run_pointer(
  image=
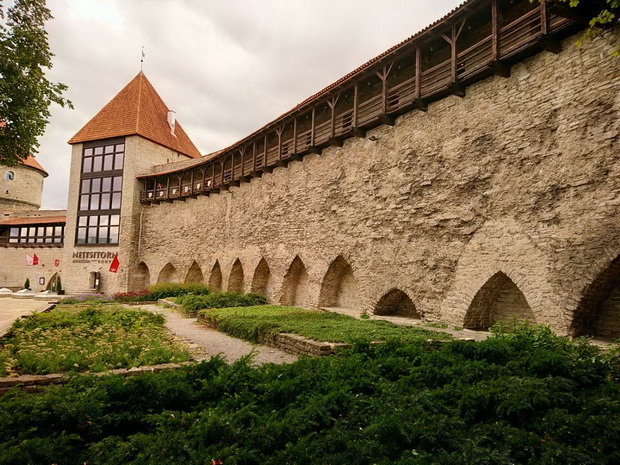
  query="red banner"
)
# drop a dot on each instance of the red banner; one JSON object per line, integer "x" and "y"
{"x": 114, "y": 265}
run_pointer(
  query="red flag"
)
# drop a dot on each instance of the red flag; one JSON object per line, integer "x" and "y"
{"x": 114, "y": 265}
{"x": 35, "y": 259}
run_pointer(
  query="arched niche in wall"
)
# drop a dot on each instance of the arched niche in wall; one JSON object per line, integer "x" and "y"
{"x": 141, "y": 277}
{"x": 499, "y": 300}
{"x": 235, "y": 279}
{"x": 261, "y": 282}
{"x": 598, "y": 313}
{"x": 168, "y": 274}
{"x": 339, "y": 287}
{"x": 194, "y": 274}
{"x": 295, "y": 285}
{"x": 215, "y": 278}
{"x": 396, "y": 303}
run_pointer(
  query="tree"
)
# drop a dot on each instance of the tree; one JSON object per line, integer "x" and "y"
{"x": 25, "y": 92}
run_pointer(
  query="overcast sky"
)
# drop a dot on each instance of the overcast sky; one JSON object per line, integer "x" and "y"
{"x": 226, "y": 67}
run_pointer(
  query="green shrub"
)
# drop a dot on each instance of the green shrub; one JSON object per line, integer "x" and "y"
{"x": 463, "y": 403}
{"x": 163, "y": 290}
{"x": 193, "y": 303}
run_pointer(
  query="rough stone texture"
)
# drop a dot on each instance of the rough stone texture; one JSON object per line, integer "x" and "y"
{"x": 24, "y": 192}
{"x": 520, "y": 176}
{"x": 14, "y": 271}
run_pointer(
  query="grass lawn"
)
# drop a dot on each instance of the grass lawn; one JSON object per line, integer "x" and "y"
{"x": 92, "y": 337}
{"x": 254, "y": 323}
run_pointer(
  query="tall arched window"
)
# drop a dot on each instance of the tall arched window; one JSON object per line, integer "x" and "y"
{"x": 10, "y": 175}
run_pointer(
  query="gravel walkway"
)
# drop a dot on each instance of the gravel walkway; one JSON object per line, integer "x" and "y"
{"x": 210, "y": 342}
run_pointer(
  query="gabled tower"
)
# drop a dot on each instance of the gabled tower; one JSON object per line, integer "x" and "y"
{"x": 133, "y": 132}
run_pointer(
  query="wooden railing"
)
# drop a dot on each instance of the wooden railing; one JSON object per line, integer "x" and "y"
{"x": 361, "y": 111}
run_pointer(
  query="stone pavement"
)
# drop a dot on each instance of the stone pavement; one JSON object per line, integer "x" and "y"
{"x": 12, "y": 309}
{"x": 213, "y": 342}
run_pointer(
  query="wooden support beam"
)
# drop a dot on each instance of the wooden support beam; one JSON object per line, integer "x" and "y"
{"x": 547, "y": 41}
{"x": 418, "y": 73}
{"x": 279, "y": 131}
{"x": 335, "y": 142}
{"x": 356, "y": 98}
{"x": 312, "y": 129}
{"x": 456, "y": 88}
{"x": 358, "y": 132}
{"x": 495, "y": 31}
{"x": 332, "y": 106}
{"x": 294, "y": 135}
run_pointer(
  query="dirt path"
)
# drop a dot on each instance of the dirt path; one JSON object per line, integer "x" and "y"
{"x": 211, "y": 342}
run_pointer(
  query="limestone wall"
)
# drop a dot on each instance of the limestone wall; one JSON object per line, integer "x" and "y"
{"x": 24, "y": 191}
{"x": 521, "y": 177}
{"x": 14, "y": 271}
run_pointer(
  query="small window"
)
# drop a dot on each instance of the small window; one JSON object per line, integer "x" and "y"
{"x": 10, "y": 175}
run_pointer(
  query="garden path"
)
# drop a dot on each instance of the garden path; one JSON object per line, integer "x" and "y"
{"x": 212, "y": 342}
{"x": 12, "y": 309}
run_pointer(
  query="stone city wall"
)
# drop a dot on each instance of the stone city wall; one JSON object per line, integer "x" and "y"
{"x": 512, "y": 190}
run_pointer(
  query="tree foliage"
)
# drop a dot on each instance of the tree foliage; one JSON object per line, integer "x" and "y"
{"x": 25, "y": 92}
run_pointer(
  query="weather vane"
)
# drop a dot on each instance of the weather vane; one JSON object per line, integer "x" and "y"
{"x": 142, "y": 59}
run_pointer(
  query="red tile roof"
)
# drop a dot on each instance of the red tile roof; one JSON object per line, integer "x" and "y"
{"x": 33, "y": 220}
{"x": 32, "y": 163}
{"x": 137, "y": 110}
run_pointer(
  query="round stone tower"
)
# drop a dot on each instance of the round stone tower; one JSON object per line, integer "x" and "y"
{"x": 21, "y": 186}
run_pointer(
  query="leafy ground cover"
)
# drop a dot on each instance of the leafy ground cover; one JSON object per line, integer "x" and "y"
{"x": 87, "y": 337}
{"x": 193, "y": 303}
{"x": 256, "y": 323}
{"x": 162, "y": 291}
{"x": 528, "y": 397}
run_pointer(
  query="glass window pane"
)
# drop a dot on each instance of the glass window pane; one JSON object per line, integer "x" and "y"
{"x": 48, "y": 239}
{"x": 114, "y": 235}
{"x": 81, "y": 222}
{"x": 115, "y": 220}
{"x": 32, "y": 231}
{"x": 98, "y": 150}
{"x": 40, "y": 240}
{"x": 108, "y": 162}
{"x": 92, "y": 220}
{"x": 106, "y": 184}
{"x": 14, "y": 231}
{"x": 92, "y": 236}
{"x": 59, "y": 230}
{"x": 88, "y": 165}
{"x": 103, "y": 235}
{"x": 81, "y": 236}
{"x": 57, "y": 240}
{"x": 41, "y": 231}
{"x": 96, "y": 185}
{"x": 49, "y": 231}
{"x": 94, "y": 202}
{"x": 118, "y": 161}
{"x": 109, "y": 149}
{"x": 120, "y": 147}
{"x": 117, "y": 184}
{"x": 105, "y": 201}
{"x": 88, "y": 152}
{"x": 84, "y": 202}
{"x": 14, "y": 240}
{"x": 85, "y": 186}
{"x": 97, "y": 162}
{"x": 104, "y": 220}
{"x": 116, "y": 201}
{"x": 23, "y": 232}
